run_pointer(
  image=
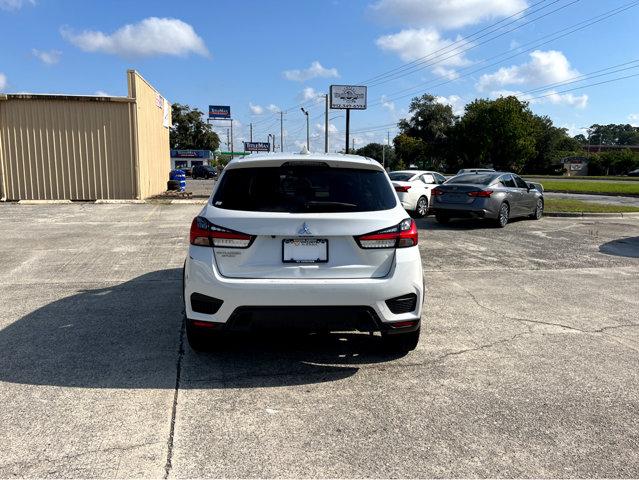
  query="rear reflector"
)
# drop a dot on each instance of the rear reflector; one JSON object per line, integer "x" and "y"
{"x": 200, "y": 324}
{"x": 404, "y": 324}
{"x": 480, "y": 193}
{"x": 398, "y": 236}
{"x": 205, "y": 234}
{"x": 402, "y": 188}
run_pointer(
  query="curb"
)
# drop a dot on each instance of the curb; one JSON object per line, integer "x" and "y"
{"x": 108, "y": 201}
{"x": 193, "y": 201}
{"x": 592, "y": 215}
{"x": 43, "y": 202}
{"x": 601, "y": 194}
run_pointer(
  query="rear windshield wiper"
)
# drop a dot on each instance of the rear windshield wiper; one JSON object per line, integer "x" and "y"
{"x": 315, "y": 203}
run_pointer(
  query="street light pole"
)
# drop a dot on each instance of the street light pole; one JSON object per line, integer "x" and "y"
{"x": 308, "y": 130}
{"x": 326, "y": 124}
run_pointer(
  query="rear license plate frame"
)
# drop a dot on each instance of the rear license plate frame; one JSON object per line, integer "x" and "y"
{"x": 302, "y": 241}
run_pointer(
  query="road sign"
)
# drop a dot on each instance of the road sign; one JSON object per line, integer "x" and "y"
{"x": 348, "y": 97}
{"x": 220, "y": 111}
{"x": 257, "y": 146}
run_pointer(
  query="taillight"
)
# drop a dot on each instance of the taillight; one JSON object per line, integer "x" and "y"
{"x": 480, "y": 193}
{"x": 402, "y": 188}
{"x": 205, "y": 234}
{"x": 399, "y": 236}
{"x": 436, "y": 192}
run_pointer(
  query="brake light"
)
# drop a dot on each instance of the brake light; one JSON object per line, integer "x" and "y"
{"x": 480, "y": 193}
{"x": 400, "y": 236}
{"x": 402, "y": 188}
{"x": 205, "y": 234}
{"x": 436, "y": 192}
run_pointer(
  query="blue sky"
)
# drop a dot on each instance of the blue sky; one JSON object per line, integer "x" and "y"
{"x": 261, "y": 57}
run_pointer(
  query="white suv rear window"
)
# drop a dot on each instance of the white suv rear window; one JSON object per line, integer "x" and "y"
{"x": 312, "y": 189}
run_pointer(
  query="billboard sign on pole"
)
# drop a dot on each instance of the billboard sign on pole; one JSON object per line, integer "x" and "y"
{"x": 257, "y": 146}
{"x": 219, "y": 112}
{"x": 348, "y": 97}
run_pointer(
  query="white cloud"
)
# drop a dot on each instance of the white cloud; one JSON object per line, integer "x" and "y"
{"x": 3, "y": 81}
{"x": 319, "y": 127}
{"x": 574, "y": 130}
{"x": 448, "y": 14}
{"x": 387, "y": 104}
{"x": 256, "y": 109}
{"x": 102, "y": 93}
{"x": 50, "y": 57}
{"x": 543, "y": 68}
{"x": 314, "y": 71}
{"x": 310, "y": 93}
{"x": 634, "y": 119}
{"x": 412, "y": 44}
{"x": 579, "y": 101}
{"x": 551, "y": 96}
{"x": 456, "y": 103}
{"x": 150, "y": 37}
{"x": 273, "y": 108}
{"x": 15, "y": 4}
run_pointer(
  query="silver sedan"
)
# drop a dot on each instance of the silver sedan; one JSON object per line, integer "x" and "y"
{"x": 498, "y": 196}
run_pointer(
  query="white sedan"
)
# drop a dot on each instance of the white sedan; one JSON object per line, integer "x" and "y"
{"x": 413, "y": 188}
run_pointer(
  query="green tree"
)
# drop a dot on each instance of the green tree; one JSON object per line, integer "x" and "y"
{"x": 411, "y": 151}
{"x": 501, "y": 133}
{"x": 190, "y": 132}
{"x": 614, "y": 162}
{"x": 613, "y": 134}
{"x": 549, "y": 140}
{"x": 375, "y": 151}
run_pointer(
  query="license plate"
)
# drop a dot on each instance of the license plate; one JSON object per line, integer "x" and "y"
{"x": 305, "y": 250}
{"x": 456, "y": 197}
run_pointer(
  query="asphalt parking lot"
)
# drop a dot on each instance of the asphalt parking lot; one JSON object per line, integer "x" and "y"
{"x": 528, "y": 365}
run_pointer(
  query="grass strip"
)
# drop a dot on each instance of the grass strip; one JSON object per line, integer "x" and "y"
{"x": 563, "y": 205}
{"x": 596, "y": 188}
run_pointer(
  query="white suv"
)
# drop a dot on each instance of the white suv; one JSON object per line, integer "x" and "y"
{"x": 301, "y": 241}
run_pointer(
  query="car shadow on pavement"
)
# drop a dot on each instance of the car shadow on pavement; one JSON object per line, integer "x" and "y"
{"x": 128, "y": 336}
{"x": 462, "y": 224}
{"x": 622, "y": 247}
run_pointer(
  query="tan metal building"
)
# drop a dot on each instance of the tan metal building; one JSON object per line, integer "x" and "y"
{"x": 58, "y": 147}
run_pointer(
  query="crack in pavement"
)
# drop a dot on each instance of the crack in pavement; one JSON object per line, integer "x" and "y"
{"x": 601, "y": 330}
{"x": 178, "y": 372}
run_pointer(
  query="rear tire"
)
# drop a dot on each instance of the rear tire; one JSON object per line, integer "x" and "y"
{"x": 441, "y": 218}
{"x": 401, "y": 342}
{"x": 539, "y": 210}
{"x": 421, "y": 208}
{"x": 503, "y": 216}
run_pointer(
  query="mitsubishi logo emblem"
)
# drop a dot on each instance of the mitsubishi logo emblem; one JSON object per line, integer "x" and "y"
{"x": 304, "y": 229}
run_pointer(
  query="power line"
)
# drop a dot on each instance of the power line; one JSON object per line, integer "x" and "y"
{"x": 557, "y": 35}
{"x": 401, "y": 67}
{"x": 550, "y": 94}
{"x": 423, "y": 64}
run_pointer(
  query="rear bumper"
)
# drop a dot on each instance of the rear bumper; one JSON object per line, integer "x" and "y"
{"x": 349, "y": 299}
{"x": 309, "y": 319}
{"x": 476, "y": 209}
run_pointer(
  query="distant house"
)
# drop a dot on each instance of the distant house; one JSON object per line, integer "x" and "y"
{"x": 191, "y": 158}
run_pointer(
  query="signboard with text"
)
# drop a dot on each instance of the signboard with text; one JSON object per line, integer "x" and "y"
{"x": 257, "y": 146}
{"x": 219, "y": 111}
{"x": 351, "y": 97}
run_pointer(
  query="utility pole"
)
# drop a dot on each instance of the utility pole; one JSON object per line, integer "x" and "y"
{"x": 281, "y": 131}
{"x": 228, "y": 141}
{"x": 308, "y": 130}
{"x": 384, "y": 155}
{"x": 251, "y": 136}
{"x": 231, "y": 139}
{"x": 353, "y": 145}
{"x": 326, "y": 124}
